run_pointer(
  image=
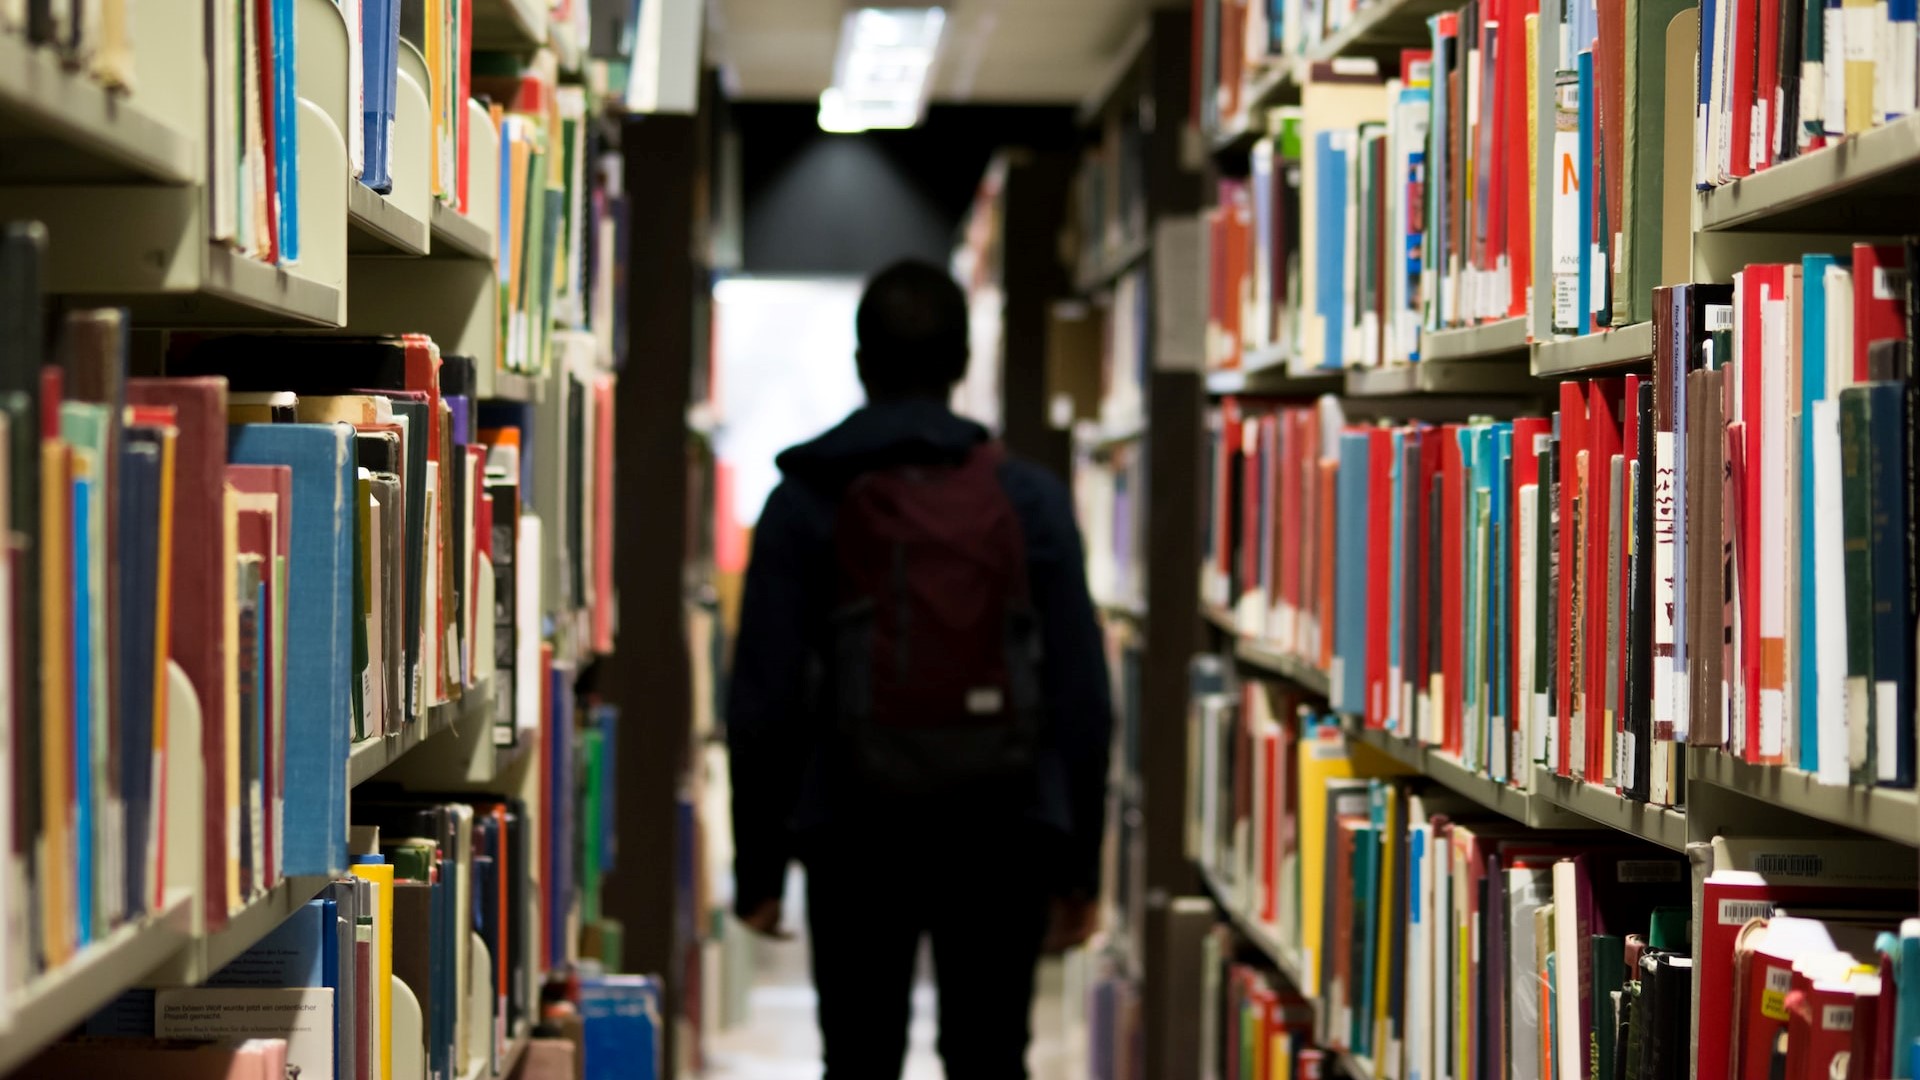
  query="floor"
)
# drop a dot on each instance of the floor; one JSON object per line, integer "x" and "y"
{"x": 779, "y": 1040}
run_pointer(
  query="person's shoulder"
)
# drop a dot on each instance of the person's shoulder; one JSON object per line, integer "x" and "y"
{"x": 1031, "y": 482}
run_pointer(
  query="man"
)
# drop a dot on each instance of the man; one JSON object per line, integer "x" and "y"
{"x": 919, "y": 709}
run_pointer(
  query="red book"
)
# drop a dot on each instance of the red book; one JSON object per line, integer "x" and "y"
{"x": 1380, "y": 582}
{"x": 1288, "y": 515}
{"x": 1834, "y": 1010}
{"x": 264, "y": 39}
{"x": 1766, "y": 89}
{"x": 1728, "y": 901}
{"x": 1229, "y": 458}
{"x": 1879, "y": 300}
{"x": 1272, "y": 810}
{"x": 1248, "y": 461}
{"x": 196, "y": 640}
{"x": 1452, "y": 611}
{"x": 275, "y": 481}
{"x": 1742, "y": 15}
{"x": 1514, "y": 97}
{"x": 1604, "y": 407}
{"x": 1573, "y": 444}
{"x": 1753, "y": 286}
{"x": 462, "y": 90}
{"x": 1329, "y": 485}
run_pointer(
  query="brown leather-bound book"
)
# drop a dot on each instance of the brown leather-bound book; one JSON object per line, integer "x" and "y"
{"x": 196, "y": 639}
{"x": 413, "y": 941}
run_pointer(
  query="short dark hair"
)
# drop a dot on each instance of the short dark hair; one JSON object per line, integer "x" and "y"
{"x": 912, "y": 327}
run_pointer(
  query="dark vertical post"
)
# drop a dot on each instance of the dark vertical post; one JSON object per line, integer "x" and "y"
{"x": 1174, "y": 440}
{"x": 1031, "y": 278}
{"x": 649, "y": 676}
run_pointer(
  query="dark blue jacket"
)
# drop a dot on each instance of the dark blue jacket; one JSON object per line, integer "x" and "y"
{"x": 781, "y": 796}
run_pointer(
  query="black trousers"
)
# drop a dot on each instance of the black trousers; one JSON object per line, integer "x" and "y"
{"x": 980, "y": 894}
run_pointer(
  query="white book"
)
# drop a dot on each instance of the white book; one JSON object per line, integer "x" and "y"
{"x": 302, "y": 1016}
{"x": 1568, "y": 1045}
{"x": 1528, "y": 890}
{"x": 1774, "y": 512}
{"x": 1525, "y": 552}
{"x": 1419, "y": 1035}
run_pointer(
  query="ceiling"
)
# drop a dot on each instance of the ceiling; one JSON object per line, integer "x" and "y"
{"x": 996, "y": 51}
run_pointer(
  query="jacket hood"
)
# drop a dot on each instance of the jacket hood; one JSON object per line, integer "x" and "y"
{"x": 895, "y": 433}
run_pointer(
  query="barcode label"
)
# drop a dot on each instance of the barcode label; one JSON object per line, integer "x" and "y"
{"x": 1741, "y": 912}
{"x": 1836, "y": 1018}
{"x": 1644, "y": 870}
{"x": 1785, "y": 864}
{"x": 1719, "y": 316}
{"x": 1773, "y": 1000}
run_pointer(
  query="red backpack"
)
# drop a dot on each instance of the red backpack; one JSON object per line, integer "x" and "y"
{"x": 934, "y": 665}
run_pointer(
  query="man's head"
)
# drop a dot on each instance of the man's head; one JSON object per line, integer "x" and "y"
{"x": 912, "y": 327}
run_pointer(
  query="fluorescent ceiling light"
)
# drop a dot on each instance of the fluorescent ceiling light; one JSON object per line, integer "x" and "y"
{"x": 882, "y": 71}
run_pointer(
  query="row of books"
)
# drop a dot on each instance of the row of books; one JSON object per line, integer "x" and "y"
{"x": 1435, "y": 941}
{"x": 1254, "y": 1025}
{"x": 1110, "y": 190}
{"x": 1779, "y": 79}
{"x": 1109, "y": 491}
{"x": 90, "y": 37}
{"x": 1422, "y": 196}
{"x": 1582, "y": 556}
{"x": 326, "y": 546}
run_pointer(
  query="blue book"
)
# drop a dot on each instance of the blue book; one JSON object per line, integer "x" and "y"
{"x": 1348, "y": 679}
{"x": 1472, "y": 468}
{"x": 1813, "y": 387}
{"x": 83, "y": 748}
{"x": 1330, "y": 166}
{"x": 1892, "y": 708}
{"x": 1498, "y": 653}
{"x": 319, "y": 652}
{"x": 1905, "y": 951}
{"x": 139, "y": 573}
{"x": 286, "y": 129}
{"x": 620, "y": 1022}
{"x": 292, "y": 955}
{"x": 380, "y": 79}
{"x": 607, "y": 718}
{"x": 1587, "y": 252}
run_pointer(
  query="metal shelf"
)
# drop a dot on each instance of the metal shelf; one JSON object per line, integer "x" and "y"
{"x": 1379, "y": 27}
{"x": 1268, "y": 372}
{"x": 1479, "y": 377}
{"x": 58, "y": 126}
{"x": 1628, "y": 346}
{"x": 1500, "y": 338}
{"x": 508, "y": 25}
{"x": 53, "y": 1002}
{"x": 1890, "y": 813}
{"x": 1662, "y": 825}
{"x": 1864, "y": 185}
{"x": 1528, "y": 808}
{"x": 376, "y": 225}
{"x": 1112, "y": 264}
{"x": 459, "y": 236}
{"x": 1291, "y": 668}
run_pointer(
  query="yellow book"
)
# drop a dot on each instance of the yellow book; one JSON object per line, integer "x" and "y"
{"x": 381, "y": 874}
{"x": 1862, "y": 37}
{"x": 438, "y": 90}
{"x": 55, "y": 856}
{"x": 162, "y": 646}
{"x": 1323, "y": 758}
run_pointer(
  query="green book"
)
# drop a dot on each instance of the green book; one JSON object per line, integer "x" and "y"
{"x": 1609, "y": 972}
{"x": 1856, "y": 525}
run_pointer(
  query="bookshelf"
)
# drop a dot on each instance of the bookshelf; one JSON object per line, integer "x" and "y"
{"x": 1505, "y": 358}
{"x": 129, "y": 212}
